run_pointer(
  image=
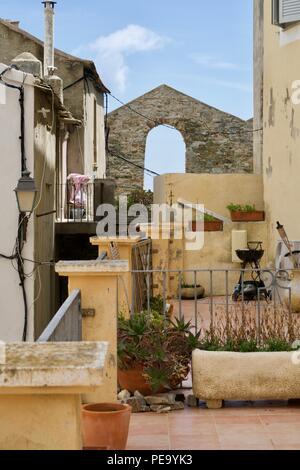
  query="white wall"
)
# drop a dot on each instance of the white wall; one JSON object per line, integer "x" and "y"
{"x": 11, "y": 302}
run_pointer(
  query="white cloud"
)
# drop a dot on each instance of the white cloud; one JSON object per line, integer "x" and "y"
{"x": 212, "y": 63}
{"x": 110, "y": 52}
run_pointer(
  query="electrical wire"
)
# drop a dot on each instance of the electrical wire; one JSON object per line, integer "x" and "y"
{"x": 211, "y": 132}
{"x": 158, "y": 123}
{"x": 17, "y": 252}
{"x": 121, "y": 157}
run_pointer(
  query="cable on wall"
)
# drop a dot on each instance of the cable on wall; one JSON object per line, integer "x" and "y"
{"x": 17, "y": 252}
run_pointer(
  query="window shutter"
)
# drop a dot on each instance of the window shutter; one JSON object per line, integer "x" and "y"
{"x": 275, "y": 12}
{"x": 289, "y": 11}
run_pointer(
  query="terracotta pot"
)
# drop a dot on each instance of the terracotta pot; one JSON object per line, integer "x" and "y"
{"x": 209, "y": 226}
{"x": 241, "y": 216}
{"x": 105, "y": 426}
{"x": 188, "y": 293}
{"x": 132, "y": 380}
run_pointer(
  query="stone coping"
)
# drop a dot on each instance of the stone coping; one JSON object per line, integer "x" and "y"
{"x": 48, "y": 365}
{"x": 120, "y": 240}
{"x": 94, "y": 266}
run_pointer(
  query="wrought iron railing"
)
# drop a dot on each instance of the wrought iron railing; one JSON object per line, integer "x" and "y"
{"x": 66, "y": 325}
{"x": 228, "y": 294}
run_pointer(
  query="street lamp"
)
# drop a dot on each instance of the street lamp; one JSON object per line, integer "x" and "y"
{"x": 26, "y": 193}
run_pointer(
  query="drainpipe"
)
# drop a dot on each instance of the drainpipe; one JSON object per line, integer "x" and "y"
{"x": 49, "y": 68}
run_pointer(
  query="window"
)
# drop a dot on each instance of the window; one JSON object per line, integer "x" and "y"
{"x": 285, "y": 12}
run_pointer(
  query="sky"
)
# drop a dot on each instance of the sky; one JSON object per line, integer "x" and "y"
{"x": 199, "y": 47}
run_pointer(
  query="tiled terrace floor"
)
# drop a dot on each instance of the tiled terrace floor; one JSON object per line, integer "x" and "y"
{"x": 238, "y": 426}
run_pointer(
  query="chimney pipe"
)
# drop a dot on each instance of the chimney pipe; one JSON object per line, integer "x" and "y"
{"x": 49, "y": 67}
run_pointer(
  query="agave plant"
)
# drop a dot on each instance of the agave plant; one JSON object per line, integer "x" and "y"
{"x": 162, "y": 348}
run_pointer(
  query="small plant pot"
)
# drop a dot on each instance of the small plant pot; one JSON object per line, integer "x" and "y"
{"x": 242, "y": 216}
{"x": 188, "y": 293}
{"x": 209, "y": 226}
{"x": 105, "y": 426}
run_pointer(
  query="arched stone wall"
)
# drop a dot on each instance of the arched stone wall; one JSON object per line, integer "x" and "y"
{"x": 216, "y": 142}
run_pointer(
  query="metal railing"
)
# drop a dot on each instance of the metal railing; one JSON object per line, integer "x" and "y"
{"x": 141, "y": 256}
{"x": 232, "y": 293}
{"x": 66, "y": 325}
{"x": 75, "y": 209}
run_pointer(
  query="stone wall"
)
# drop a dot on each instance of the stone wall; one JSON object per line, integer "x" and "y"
{"x": 216, "y": 142}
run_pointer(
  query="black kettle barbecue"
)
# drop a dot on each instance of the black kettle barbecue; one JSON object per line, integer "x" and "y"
{"x": 254, "y": 289}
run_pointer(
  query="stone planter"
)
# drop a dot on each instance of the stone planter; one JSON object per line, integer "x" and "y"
{"x": 242, "y": 216}
{"x": 219, "y": 376}
{"x": 188, "y": 293}
{"x": 105, "y": 426}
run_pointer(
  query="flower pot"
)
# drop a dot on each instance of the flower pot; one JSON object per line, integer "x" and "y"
{"x": 243, "y": 216}
{"x": 188, "y": 293}
{"x": 133, "y": 379}
{"x": 209, "y": 226}
{"x": 105, "y": 426}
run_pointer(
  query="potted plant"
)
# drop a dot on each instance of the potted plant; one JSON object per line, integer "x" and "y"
{"x": 105, "y": 426}
{"x": 188, "y": 291}
{"x": 211, "y": 224}
{"x": 245, "y": 213}
{"x": 154, "y": 353}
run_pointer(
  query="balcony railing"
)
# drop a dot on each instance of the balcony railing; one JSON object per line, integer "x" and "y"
{"x": 75, "y": 205}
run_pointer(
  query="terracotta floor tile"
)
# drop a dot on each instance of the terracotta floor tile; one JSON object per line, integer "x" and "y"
{"x": 239, "y": 426}
{"x": 287, "y": 447}
{"x": 148, "y": 442}
{"x": 235, "y": 419}
{"x": 283, "y": 418}
{"x": 244, "y": 439}
{"x": 191, "y": 427}
{"x": 285, "y": 438}
{"x": 195, "y": 443}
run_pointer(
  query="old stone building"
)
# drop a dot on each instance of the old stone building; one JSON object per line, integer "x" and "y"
{"x": 216, "y": 142}
{"x": 83, "y": 96}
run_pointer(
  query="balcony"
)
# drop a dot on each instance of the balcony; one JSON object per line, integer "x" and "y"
{"x": 77, "y": 202}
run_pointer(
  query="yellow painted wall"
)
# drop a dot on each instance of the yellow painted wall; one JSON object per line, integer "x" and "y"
{"x": 281, "y": 122}
{"x": 99, "y": 292}
{"x": 214, "y": 191}
{"x": 40, "y": 422}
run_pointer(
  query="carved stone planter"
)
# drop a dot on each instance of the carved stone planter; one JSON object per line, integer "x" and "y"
{"x": 219, "y": 376}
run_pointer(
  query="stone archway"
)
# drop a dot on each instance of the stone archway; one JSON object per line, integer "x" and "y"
{"x": 216, "y": 142}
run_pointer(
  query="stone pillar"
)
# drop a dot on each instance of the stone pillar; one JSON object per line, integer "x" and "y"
{"x": 40, "y": 393}
{"x": 125, "y": 246}
{"x": 98, "y": 282}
